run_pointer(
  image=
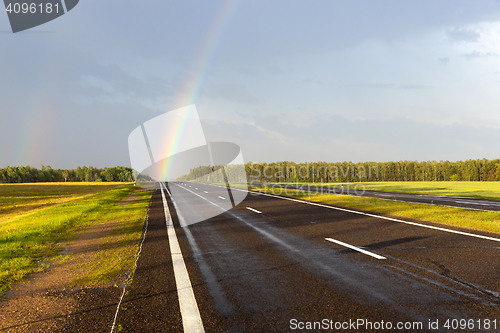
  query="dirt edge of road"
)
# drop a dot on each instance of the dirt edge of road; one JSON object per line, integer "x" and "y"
{"x": 53, "y": 300}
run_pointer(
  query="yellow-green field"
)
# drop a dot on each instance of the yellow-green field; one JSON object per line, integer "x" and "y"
{"x": 56, "y": 213}
{"x": 487, "y": 221}
{"x": 467, "y": 189}
{"x": 18, "y": 200}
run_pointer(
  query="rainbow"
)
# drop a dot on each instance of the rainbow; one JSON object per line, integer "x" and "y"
{"x": 35, "y": 131}
{"x": 191, "y": 88}
{"x": 171, "y": 133}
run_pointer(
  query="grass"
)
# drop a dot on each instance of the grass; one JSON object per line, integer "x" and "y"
{"x": 29, "y": 241}
{"x": 466, "y": 189}
{"x": 19, "y": 200}
{"x": 487, "y": 221}
{"x": 118, "y": 249}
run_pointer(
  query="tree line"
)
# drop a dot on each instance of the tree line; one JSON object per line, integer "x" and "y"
{"x": 28, "y": 174}
{"x": 233, "y": 173}
{"x": 469, "y": 170}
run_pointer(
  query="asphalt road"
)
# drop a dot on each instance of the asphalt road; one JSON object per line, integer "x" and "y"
{"x": 439, "y": 200}
{"x": 274, "y": 264}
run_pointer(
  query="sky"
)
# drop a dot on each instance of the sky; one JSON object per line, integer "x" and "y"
{"x": 286, "y": 80}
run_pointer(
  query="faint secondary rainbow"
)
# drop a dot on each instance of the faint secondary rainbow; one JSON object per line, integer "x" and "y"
{"x": 35, "y": 127}
{"x": 36, "y": 121}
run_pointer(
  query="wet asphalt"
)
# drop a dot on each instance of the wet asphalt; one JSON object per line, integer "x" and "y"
{"x": 271, "y": 269}
{"x": 438, "y": 200}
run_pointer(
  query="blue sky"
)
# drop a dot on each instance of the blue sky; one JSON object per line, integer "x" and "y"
{"x": 286, "y": 80}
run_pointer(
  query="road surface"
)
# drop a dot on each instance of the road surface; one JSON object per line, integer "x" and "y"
{"x": 274, "y": 264}
{"x": 438, "y": 200}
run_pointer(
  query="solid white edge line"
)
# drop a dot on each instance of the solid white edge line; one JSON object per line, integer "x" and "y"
{"x": 191, "y": 319}
{"x": 355, "y": 248}
{"x": 373, "y": 215}
{"x": 254, "y": 210}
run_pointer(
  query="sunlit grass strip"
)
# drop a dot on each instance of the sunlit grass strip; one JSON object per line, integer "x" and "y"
{"x": 18, "y": 212}
{"x": 460, "y": 188}
{"x": 17, "y": 200}
{"x": 487, "y": 221}
{"x": 118, "y": 250}
{"x": 24, "y": 243}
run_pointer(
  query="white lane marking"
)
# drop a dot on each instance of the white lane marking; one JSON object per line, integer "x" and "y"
{"x": 200, "y": 197}
{"x": 375, "y": 216}
{"x": 355, "y": 248}
{"x": 278, "y": 240}
{"x": 191, "y": 319}
{"x": 222, "y": 198}
{"x": 254, "y": 210}
{"x": 195, "y": 188}
{"x": 205, "y": 191}
{"x": 445, "y": 198}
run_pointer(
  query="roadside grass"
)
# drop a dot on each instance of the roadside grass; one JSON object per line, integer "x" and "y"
{"x": 27, "y": 243}
{"x": 18, "y": 200}
{"x": 118, "y": 250}
{"x": 461, "y": 188}
{"x": 486, "y": 221}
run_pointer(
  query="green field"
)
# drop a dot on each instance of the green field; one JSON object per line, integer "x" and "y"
{"x": 18, "y": 200}
{"x": 52, "y": 214}
{"x": 487, "y": 221}
{"x": 466, "y": 189}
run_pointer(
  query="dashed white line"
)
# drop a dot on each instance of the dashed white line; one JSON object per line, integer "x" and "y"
{"x": 210, "y": 202}
{"x": 191, "y": 319}
{"x": 222, "y": 198}
{"x": 355, "y": 248}
{"x": 195, "y": 188}
{"x": 375, "y": 216}
{"x": 254, "y": 210}
{"x": 205, "y": 191}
